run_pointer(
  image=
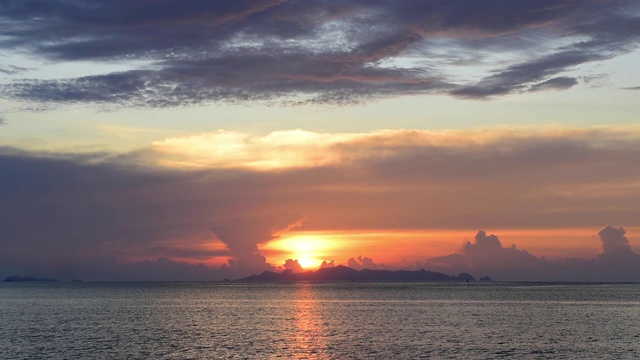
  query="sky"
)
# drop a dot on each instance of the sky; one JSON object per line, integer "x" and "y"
{"x": 191, "y": 140}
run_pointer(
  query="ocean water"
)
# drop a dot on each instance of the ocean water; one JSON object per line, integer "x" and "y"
{"x": 318, "y": 321}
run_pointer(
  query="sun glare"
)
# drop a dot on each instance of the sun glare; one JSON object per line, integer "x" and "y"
{"x": 308, "y": 263}
{"x": 309, "y": 250}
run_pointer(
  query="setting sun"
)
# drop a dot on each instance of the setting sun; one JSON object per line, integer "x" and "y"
{"x": 309, "y": 249}
{"x": 309, "y": 263}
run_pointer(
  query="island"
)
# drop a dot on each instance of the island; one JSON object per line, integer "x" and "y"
{"x": 346, "y": 274}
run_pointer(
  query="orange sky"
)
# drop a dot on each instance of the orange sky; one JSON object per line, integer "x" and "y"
{"x": 405, "y": 248}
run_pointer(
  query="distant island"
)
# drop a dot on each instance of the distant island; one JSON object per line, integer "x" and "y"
{"x": 16, "y": 278}
{"x": 346, "y": 274}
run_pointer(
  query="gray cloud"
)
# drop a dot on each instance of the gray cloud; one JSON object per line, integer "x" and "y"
{"x": 60, "y": 211}
{"x": 616, "y": 250}
{"x": 309, "y": 51}
{"x": 363, "y": 263}
{"x": 160, "y": 269}
{"x": 12, "y": 69}
{"x": 326, "y": 264}
{"x": 242, "y": 233}
{"x": 617, "y": 262}
{"x": 632, "y": 88}
{"x": 558, "y": 83}
{"x": 613, "y": 239}
{"x": 487, "y": 256}
{"x": 293, "y": 265}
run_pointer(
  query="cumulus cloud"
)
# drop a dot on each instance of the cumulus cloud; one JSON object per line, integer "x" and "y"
{"x": 484, "y": 244}
{"x": 487, "y": 255}
{"x": 613, "y": 239}
{"x": 241, "y": 234}
{"x": 326, "y": 264}
{"x": 617, "y": 262}
{"x": 616, "y": 249}
{"x": 311, "y": 51}
{"x": 362, "y": 263}
{"x": 293, "y": 265}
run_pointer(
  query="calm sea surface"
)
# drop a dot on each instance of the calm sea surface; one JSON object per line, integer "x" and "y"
{"x": 323, "y": 321}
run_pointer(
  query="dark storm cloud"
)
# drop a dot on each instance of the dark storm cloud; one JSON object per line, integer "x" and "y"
{"x": 310, "y": 51}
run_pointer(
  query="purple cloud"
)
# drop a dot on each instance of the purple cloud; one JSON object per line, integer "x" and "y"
{"x": 617, "y": 262}
{"x": 293, "y": 265}
{"x": 363, "y": 263}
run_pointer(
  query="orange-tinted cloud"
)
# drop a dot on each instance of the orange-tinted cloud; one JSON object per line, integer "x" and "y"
{"x": 293, "y": 265}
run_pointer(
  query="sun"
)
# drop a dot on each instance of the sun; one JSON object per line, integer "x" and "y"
{"x": 309, "y": 263}
{"x": 309, "y": 250}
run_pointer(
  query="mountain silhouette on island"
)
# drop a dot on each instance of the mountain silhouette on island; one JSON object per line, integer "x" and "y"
{"x": 342, "y": 273}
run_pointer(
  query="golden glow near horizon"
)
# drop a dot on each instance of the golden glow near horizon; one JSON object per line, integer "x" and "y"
{"x": 401, "y": 248}
{"x": 309, "y": 249}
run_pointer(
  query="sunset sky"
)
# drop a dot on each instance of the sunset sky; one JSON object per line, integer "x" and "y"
{"x": 202, "y": 140}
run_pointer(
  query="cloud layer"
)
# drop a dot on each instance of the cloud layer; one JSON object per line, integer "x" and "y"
{"x": 64, "y": 213}
{"x": 294, "y": 51}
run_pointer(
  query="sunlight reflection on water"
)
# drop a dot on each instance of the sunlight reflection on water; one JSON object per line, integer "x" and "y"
{"x": 318, "y": 321}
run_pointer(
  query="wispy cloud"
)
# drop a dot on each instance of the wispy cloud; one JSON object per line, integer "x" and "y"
{"x": 311, "y": 51}
{"x": 290, "y": 149}
{"x": 12, "y": 69}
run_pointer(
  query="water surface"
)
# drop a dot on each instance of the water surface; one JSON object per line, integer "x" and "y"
{"x": 323, "y": 321}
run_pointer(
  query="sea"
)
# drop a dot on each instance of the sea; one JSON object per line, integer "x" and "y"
{"x": 78, "y": 320}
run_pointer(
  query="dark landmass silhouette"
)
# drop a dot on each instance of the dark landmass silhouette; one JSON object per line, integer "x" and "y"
{"x": 16, "y": 278}
{"x": 342, "y": 273}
